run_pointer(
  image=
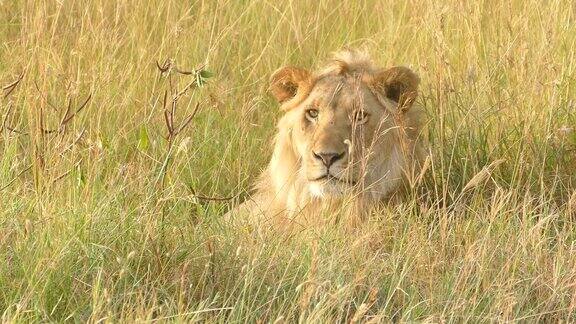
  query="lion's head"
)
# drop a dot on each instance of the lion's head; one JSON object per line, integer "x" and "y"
{"x": 348, "y": 128}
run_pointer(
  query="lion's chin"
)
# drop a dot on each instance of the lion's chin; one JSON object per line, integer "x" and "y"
{"x": 327, "y": 188}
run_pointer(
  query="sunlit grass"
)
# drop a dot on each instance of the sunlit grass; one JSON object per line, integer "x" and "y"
{"x": 88, "y": 232}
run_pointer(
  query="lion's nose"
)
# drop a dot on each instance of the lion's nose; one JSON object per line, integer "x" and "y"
{"x": 328, "y": 158}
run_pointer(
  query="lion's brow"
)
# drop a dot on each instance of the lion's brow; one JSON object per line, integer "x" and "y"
{"x": 336, "y": 91}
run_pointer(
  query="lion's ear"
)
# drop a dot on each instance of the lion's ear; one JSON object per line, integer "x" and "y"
{"x": 286, "y": 82}
{"x": 398, "y": 84}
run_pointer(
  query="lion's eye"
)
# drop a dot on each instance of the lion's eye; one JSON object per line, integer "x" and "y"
{"x": 360, "y": 116}
{"x": 312, "y": 114}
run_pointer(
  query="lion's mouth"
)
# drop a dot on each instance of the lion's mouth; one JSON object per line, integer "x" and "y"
{"x": 330, "y": 177}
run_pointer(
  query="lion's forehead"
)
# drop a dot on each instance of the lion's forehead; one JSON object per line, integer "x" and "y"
{"x": 339, "y": 93}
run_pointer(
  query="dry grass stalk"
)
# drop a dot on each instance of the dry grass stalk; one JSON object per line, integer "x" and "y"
{"x": 481, "y": 177}
{"x": 572, "y": 205}
{"x": 309, "y": 287}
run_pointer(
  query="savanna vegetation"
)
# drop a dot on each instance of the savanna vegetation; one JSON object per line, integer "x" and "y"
{"x": 129, "y": 127}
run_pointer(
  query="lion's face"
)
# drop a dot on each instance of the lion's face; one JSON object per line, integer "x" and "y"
{"x": 340, "y": 125}
{"x": 338, "y": 132}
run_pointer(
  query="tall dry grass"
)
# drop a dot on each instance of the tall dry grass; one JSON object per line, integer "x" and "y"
{"x": 89, "y": 233}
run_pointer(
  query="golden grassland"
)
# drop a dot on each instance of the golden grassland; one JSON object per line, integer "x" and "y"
{"x": 104, "y": 219}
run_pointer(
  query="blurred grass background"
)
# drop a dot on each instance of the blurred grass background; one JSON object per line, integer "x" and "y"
{"x": 87, "y": 233}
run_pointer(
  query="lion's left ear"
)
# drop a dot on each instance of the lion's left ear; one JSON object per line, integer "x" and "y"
{"x": 286, "y": 82}
{"x": 398, "y": 84}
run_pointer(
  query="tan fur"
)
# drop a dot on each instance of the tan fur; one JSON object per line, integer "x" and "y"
{"x": 379, "y": 147}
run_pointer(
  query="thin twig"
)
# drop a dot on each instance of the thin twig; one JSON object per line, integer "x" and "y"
{"x": 169, "y": 68}
{"x": 189, "y": 86}
{"x": 14, "y": 130}
{"x": 164, "y": 67}
{"x": 78, "y": 110}
{"x": 167, "y": 117}
{"x": 10, "y": 87}
{"x": 189, "y": 119}
{"x": 67, "y": 112}
{"x": 183, "y": 72}
{"x": 66, "y": 118}
{"x": 169, "y": 65}
{"x": 173, "y": 113}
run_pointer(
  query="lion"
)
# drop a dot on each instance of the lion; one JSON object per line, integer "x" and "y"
{"x": 349, "y": 135}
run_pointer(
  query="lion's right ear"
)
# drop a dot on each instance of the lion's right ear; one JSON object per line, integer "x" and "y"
{"x": 287, "y": 81}
{"x": 398, "y": 84}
